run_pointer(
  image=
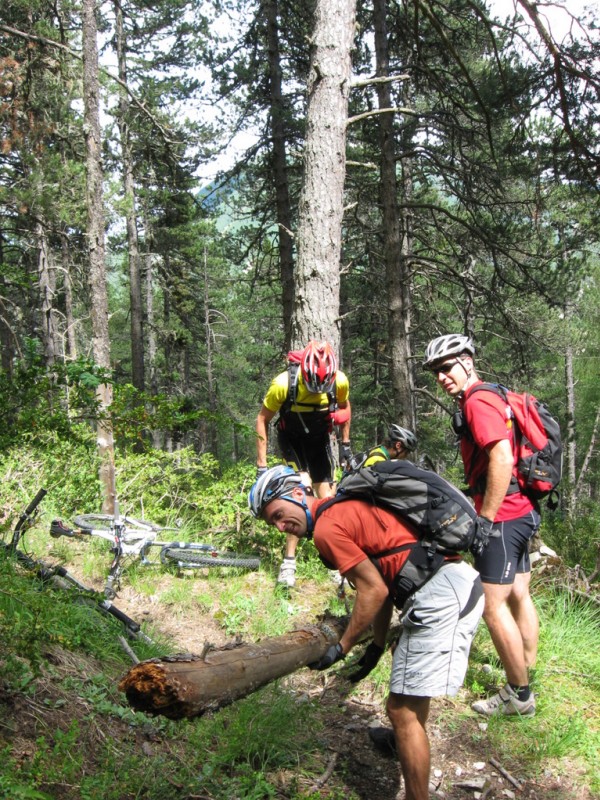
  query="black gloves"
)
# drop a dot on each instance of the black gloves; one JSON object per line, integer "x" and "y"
{"x": 334, "y": 653}
{"x": 345, "y": 453}
{"x": 481, "y": 532}
{"x": 367, "y": 662}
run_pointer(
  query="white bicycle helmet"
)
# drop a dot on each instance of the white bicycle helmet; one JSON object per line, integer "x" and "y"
{"x": 454, "y": 344}
{"x": 406, "y": 438}
{"x": 275, "y": 482}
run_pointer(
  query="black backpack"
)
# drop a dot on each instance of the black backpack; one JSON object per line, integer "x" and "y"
{"x": 316, "y": 420}
{"x": 442, "y": 515}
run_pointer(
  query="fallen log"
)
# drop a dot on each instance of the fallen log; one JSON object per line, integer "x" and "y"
{"x": 188, "y": 685}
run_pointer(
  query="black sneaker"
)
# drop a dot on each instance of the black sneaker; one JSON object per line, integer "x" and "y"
{"x": 384, "y": 740}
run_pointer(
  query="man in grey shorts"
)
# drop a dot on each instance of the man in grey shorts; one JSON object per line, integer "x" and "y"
{"x": 439, "y": 619}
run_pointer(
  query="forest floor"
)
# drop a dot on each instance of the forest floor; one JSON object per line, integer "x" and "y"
{"x": 352, "y": 766}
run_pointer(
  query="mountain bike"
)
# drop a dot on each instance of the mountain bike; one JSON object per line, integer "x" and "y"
{"x": 134, "y": 537}
{"x": 59, "y": 576}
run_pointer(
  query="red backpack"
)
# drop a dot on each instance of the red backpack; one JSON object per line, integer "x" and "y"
{"x": 538, "y": 442}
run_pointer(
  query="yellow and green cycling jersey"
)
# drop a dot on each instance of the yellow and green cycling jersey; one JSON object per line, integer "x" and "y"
{"x": 376, "y": 454}
{"x": 306, "y": 402}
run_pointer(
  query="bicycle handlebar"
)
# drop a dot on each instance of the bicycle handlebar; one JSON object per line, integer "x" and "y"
{"x": 34, "y": 503}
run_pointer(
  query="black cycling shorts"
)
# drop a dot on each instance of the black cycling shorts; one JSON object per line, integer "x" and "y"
{"x": 508, "y": 554}
{"x": 308, "y": 454}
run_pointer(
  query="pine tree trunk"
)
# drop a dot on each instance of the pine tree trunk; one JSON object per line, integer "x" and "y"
{"x": 135, "y": 281}
{"x": 95, "y": 234}
{"x": 317, "y": 300}
{"x": 280, "y": 173}
{"x": 47, "y": 291}
{"x": 397, "y": 247}
{"x": 210, "y": 381}
{"x": 71, "y": 341}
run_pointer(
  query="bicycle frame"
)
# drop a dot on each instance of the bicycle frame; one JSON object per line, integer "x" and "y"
{"x": 46, "y": 572}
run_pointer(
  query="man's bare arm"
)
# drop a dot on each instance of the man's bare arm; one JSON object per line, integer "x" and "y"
{"x": 499, "y": 473}
{"x": 262, "y": 429}
{"x": 372, "y": 605}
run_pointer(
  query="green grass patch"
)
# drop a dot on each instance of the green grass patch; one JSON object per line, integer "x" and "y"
{"x": 566, "y": 682}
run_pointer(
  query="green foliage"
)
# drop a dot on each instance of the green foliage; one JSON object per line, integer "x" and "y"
{"x": 271, "y": 731}
{"x": 575, "y": 540}
{"x": 243, "y": 750}
{"x": 566, "y": 682}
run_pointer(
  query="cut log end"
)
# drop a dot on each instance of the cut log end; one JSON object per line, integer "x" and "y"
{"x": 149, "y": 689}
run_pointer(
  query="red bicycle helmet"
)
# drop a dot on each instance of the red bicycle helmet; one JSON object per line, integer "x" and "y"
{"x": 319, "y": 366}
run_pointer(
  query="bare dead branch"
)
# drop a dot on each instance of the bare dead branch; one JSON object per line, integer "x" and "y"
{"x": 371, "y": 81}
{"x": 505, "y": 773}
{"x": 399, "y": 110}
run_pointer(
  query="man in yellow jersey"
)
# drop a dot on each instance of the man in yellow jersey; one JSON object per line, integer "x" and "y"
{"x": 400, "y": 443}
{"x": 311, "y": 397}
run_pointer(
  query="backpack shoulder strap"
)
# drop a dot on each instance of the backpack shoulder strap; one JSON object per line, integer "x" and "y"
{"x": 293, "y": 370}
{"x": 495, "y": 388}
{"x": 328, "y": 503}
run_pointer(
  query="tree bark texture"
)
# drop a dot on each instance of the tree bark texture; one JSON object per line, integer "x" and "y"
{"x": 135, "y": 280}
{"x": 70, "y": 346}
{"x": 280, "y": 172}
{"x": 189, "y": 685}
{"x": 317, "y": 300}
{"x": 95, "y": 235}
{"x": 47, "y": 289}
{"x": 397, "y": 242}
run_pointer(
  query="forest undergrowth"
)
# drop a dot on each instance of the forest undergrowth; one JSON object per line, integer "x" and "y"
{"x": 67, "y": 732}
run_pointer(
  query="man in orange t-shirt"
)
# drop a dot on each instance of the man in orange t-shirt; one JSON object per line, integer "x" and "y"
{"x": 369, "y": 546}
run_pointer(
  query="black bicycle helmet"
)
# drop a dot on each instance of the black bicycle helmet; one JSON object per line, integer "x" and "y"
{"x": 406, "y": 438}
{"x": 453, "y": 344}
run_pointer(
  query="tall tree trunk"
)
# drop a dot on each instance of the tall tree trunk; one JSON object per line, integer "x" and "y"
{"x": 70, "y": 345}
{"x": 135, "y": 282}
{"x": 397, "y": 245}
{"x": 280, "y": 173}
{"x": 210, "y": 381}
{"x": 47, "y": 292}
{"x": 317, "y": 300}
{"x": 7, "y": 349}
{"x": 570, "y": 495}
{"x": 95, "y": 234}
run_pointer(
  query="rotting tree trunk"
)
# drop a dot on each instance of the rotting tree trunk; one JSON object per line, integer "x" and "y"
{"x": 185, "y": 686}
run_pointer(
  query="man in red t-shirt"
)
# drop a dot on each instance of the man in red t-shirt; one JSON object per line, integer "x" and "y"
{"x": 369, "y": 546}
{"x": 508, "y": 516}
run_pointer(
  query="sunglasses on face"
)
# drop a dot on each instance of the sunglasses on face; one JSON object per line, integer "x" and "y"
{"x": 445, "y": 368}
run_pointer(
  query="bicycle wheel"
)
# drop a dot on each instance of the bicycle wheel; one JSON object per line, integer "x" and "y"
{"x": 187, "y": 555}
{"x": 104, "y": 522}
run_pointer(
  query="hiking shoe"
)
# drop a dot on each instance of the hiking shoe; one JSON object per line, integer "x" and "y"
{"x": 384, "y": 740}
{"x": 505, "y": 703}
{"x": 287, "y": 572}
